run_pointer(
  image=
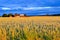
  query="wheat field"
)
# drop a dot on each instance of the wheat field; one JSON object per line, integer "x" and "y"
{"x": 30, "y": 28}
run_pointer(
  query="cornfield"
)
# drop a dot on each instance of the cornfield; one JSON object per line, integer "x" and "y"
{"x": 30, "y": 28}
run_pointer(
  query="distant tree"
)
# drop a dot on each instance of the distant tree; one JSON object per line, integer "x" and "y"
{"x": 4, "y": 15}
{"x": 25, "y": 15}
{"x": 10, "y": 14}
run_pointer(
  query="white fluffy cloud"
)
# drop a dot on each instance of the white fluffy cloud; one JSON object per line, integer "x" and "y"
{"x": 5, "y": 8}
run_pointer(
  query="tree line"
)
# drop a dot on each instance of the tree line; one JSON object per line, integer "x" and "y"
{"x": 7, "y": 15}
{"x": 12, "y": 15}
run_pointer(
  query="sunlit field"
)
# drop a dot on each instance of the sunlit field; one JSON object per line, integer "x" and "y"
{"x": 30, "y": 28}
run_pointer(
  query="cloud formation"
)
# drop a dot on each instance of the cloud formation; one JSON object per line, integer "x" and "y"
{"x": 5, "y": 8}
{"x": 29, "y": 8}
{"x": 36, "y": 8}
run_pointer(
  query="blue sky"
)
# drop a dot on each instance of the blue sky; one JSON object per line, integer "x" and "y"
{"x": 30, "y": 7}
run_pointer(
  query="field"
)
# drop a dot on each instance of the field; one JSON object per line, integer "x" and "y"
{"x": 30, "y": 28}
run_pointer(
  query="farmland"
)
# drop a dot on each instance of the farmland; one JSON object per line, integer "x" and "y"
{"x": 30, "y": 28}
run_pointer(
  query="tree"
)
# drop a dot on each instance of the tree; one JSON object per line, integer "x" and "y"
{"x": 10, "y": 14}
{"x": 25, "y": 15}
{"x": 4, "y": 15}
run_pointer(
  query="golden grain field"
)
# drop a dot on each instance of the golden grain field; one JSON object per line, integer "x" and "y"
{"x": 30, "y": 28}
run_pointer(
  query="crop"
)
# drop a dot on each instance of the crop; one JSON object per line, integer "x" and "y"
{"x": 30, "y": 28}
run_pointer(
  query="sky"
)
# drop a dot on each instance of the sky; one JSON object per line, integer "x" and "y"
{"x": 30, "y": 7}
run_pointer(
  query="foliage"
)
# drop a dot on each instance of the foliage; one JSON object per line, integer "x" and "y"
{"x": 4, "y": 15}
{"x": 10, "y": 14}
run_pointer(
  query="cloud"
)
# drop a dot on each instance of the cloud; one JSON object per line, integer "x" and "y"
{"x": 5, "y": 8}
{"x": 30, "y": 8}
{"x": 36, "y": 8}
